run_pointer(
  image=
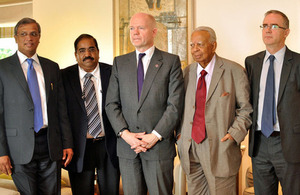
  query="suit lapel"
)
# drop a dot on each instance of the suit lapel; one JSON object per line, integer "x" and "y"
{"x": 217, "y": 73}
{"x": 74, "y": 82}
{"x": 46, "y": 72}
{"x": 17, "y": 70}
{"x": 192, "y": 86}
{"x": 104, "y": 76}
{"x": 154, "y": 66}
{"x": 131, "y": 71}
{"x": 285, "y": 72}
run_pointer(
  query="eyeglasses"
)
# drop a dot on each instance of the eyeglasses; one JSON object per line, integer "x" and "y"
{"x": 33, "y": 34}
{"x": 272, "y": 26}
{"x": 83, "y": 50}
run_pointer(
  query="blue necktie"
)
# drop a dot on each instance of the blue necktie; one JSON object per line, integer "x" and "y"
{"x": 140, "y": 74}
{"x": 35, "y": 95}
{"x": 269, "y": 109}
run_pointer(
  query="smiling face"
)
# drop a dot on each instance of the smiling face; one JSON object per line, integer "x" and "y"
{"x": 202, "y": 48}
{"x": 274, "y": 39}
{"x": 28, "y": 39}
{"x": 87, "y": 54}
{"x": 142, "y": 31}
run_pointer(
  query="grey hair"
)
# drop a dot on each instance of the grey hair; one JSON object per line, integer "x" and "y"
{"x": 26, "y": 21}
{"x": 212, "y": 37}
{"x": 285, "y": 18}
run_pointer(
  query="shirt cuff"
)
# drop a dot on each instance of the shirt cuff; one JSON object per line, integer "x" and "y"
{"x": 157, "y": 135}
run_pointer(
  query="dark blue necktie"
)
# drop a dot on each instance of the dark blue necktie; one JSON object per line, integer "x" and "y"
{"x": 35, "y": 95}
{"x": 269, "y": 109}
{"x": 140, "y": 74}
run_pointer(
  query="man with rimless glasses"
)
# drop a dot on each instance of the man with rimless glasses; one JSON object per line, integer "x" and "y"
{"x": 274, "y": 137}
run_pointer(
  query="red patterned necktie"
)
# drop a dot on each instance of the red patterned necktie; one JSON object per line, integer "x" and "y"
{"x": 198, "y": 129}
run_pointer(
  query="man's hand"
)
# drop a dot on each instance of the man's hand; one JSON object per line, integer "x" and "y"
{"x": 67, "y": 156}
{"x": 150, "y": 138}
{"x": 226, "y": 137}
{"x": 5, "y": 165}
{"x": 134, "y": 142}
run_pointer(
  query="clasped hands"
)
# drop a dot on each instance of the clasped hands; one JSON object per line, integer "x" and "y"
{"x": 139, "y": 142}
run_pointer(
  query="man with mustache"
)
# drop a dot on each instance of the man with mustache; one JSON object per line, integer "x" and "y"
{"x": 94, "y": 139}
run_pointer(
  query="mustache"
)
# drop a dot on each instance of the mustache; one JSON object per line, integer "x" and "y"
{"x": 88, "y": 57}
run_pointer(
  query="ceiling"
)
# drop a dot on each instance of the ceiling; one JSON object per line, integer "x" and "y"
{"x": 7, "y": 2}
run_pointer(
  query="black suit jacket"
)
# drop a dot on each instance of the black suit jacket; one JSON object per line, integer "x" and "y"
{"x": 78, "y": 116}
{"x": 16, "y": 112}
{"x": 288, "y": 106}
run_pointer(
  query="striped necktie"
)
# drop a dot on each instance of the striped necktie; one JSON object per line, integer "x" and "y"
{"x": 91, "y": 105}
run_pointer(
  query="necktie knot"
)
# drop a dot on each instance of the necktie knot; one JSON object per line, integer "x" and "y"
{"x": 141, "y": 55}
{"x": 29, "y": 61}
{"x": 87, "y": 77}
{"x": 203, "y": 73}
{"x": 271, "y": 58}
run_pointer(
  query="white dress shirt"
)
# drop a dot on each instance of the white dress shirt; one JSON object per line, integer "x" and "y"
{"x": 209, "y": 69}
{"x": 278, "y": 62}
{"x": 98, "y": 87}
{"x": 146, "y": 61}
{"x": 41, "y": 81}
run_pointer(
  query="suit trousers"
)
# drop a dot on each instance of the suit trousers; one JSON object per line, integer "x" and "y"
{"x": 140, "y": 175}
{"x": 270, "y": 167}
{"x": 201, "y": 180}
{"x": 108, "y": 177}
{"x": 41, "y": 176}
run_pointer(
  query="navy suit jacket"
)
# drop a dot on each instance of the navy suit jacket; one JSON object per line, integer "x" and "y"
{"x": 78, "y": 117}
{"x": 17, "y": 112}
{"x": 288, "y": 105}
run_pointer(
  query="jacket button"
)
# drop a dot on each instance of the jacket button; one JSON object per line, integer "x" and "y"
{"x": 138, "y": 127}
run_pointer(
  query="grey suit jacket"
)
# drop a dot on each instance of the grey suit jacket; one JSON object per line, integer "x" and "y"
{"x": 288, "y": 105}
{"x": 227, "y": 110}
{"x": 159, "y": 107}
{"x": 16, "y": 112}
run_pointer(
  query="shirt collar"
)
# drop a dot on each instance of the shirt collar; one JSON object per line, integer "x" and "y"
{"x": 279, "y": 55}
{"x": 23, "y": 57}
{"x": 209, "y": 68}
{"x": 95, "y": 72}
{"x": 149, "y": 52}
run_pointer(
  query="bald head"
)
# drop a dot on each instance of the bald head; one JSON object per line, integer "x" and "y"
{"x": 142, "y": 31}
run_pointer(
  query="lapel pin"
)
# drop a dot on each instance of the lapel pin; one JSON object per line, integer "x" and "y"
{"x": 156, "y": 65}
{"x": 52, "y": 86}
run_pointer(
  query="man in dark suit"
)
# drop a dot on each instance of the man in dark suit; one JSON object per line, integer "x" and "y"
{"x": 35, "y": 133}
{"x": 274, "y": 138}
{"x": 144, "y": 103}
{"x": 90, "y": 152}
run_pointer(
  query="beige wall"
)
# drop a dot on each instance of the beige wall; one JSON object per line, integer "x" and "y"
{"x": 62, "y": 21}
{"x": 237, "y": 24}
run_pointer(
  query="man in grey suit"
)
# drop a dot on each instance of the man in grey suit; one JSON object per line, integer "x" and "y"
{"x": 215, "y": 120}
{"x": 275, "y": 134}
{"x": 35, "y": 134}
{"x": 144, "y": 103}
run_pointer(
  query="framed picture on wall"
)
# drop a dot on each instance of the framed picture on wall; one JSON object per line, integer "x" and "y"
{"x": 174, "y": 23}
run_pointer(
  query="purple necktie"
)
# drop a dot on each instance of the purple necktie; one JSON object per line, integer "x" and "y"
{"x": 140, "y": 74}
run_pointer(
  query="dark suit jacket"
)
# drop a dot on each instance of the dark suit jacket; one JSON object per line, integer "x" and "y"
{"x": 288, "y": 103}
{"x": 17, "y": 117}
{"x": 78, "y": 116}
{"x": 160, "y": 105}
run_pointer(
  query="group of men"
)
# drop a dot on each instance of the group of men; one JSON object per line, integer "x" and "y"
{"x": 125, "y": 119}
